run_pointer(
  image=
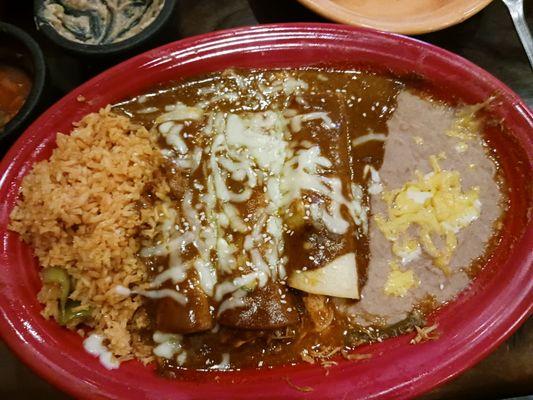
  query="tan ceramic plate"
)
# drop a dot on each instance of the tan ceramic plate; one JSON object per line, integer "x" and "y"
{"x": 401, "y": 16}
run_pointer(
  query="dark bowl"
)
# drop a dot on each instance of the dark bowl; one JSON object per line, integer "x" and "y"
{"x": 18, "y": 49}
{"x": 123, "y": 46}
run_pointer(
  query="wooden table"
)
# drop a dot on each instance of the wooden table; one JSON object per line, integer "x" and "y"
{"x": 488, "y": 39}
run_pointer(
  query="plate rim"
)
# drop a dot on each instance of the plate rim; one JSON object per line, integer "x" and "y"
{"x": 344, "y": 15}
{"x": 521, "y": 312}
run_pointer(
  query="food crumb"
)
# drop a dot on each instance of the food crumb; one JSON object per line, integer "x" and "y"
{"x": 306, "y": 357}
{"x": 328, "y": 363}
{"x": 305, "y": 389}
{"x": 425, "y": 334}
{"x": 81, "y": 98}
{"x": 360, "y": 356}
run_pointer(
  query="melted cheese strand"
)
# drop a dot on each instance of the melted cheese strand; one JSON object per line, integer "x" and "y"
{"x": 235, "y": 300}
{"x": 304, "y": 172}
{"x": 174, "y": 245}
{"x": 369, "y": 137}
{"x": 152, "y": 294}
{"x": 175, "y": 274}
{"x": 168, "y": 344}
{"x": 93, "y": 345}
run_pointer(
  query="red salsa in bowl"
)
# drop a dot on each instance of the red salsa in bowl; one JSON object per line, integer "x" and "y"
{"x": 22, "y": 78}
{"x": 15, "y": 86}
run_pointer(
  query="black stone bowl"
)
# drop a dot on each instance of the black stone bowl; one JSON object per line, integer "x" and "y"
{"x": 18, "y": 49}
{"x": 107, "y": 49}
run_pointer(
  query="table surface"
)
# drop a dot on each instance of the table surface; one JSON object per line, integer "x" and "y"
{"x": 488, "y": 39}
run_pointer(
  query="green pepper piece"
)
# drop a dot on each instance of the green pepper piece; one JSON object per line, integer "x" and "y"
{"x": 57, "y": 276}
{"x": 69, "y": 315}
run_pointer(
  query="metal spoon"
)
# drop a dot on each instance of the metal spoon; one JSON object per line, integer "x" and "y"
{"x": 516, "y": 8}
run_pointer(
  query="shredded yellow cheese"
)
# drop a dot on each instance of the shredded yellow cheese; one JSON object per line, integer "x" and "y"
{"x": 418, "y": 140}
{"x": 432, "y": 206}
{"x": 399, "y": 282}
{"x": 466, "y": 125}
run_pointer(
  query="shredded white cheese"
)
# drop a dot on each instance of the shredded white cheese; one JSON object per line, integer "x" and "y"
{"x": 255, "y": 150}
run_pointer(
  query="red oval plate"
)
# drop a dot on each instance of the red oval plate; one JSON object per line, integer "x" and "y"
{"x": 481, "y": 318}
